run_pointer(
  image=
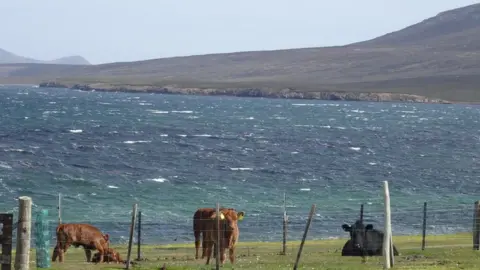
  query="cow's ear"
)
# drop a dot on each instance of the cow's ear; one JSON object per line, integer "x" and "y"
{"x": 240, "y": 215}
{"x": 369, "y": 227}
{"x": 346, "y": 227}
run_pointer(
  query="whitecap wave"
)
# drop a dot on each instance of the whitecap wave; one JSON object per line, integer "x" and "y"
{"x": 76, "y": 131}
{"x": 242, "y": 169}
{"x": 182, "y": 111}
{"x": 302, "y": 104}
{"x": 134, "y": 142}
{"x": 157, "y": 111}
{"x": 5, "y": 165}
{"x": 159, "y": 180}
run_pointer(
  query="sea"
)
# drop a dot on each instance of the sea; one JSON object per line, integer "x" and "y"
{"x": 103, "y": 152}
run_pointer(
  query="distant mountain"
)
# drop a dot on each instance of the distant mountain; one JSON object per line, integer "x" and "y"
{"x": 11, "y": 58}
{"x": 436, "y": 58}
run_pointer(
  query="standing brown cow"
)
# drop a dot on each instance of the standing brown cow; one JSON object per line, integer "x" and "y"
{"x": 201, "y": 218}
{"x": 85, "y": 235}
{"x": 200, "y": 221}
{"x": 228, "y": 231}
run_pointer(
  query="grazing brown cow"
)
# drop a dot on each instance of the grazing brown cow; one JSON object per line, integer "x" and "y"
{"x": 228, "y": 231}
{"x": 85, "y": 235}
{"x": 110, "y": 255}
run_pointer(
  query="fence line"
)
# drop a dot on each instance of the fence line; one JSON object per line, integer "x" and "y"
{"x": 440, "y": 221}
{"x": 325, "y": 224}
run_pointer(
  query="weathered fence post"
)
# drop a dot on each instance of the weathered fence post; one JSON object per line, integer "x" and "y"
{"x": 218, "y": 236}
{"x": 388, "y": 228}
{"x": 307, "y": 227}
{"x": 42, "y": 239}
{"x": 285, "y": 220}
{"x": 59, "y": 207}
{"x": 361, "y": 212}
{"x": 139, "y": 235}
{"x": 476, "y": 226}
{"x": 24, "y": 228}
{"x": 130, "y": 240}
{"x": 6, "y": 235}
{"x": 424, "y": 225}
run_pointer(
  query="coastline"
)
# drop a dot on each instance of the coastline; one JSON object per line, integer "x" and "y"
{"x": 251, "y": 92}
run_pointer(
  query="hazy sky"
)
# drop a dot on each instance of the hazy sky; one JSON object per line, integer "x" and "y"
{"x": 126, "y": 30}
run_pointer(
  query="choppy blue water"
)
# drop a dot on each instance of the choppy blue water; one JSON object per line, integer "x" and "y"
{"x": 173, "y": 154}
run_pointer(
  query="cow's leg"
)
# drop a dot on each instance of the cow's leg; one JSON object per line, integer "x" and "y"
{"x": 101, "y": 250}
{"x": 62, "y": 250}
{"x": 197, "y": 244}
{"x": 61, "y": 255}
{"x": 222, "y": 251}
{"x": 88, "y": 254}
{"x": 55, "y": 253}
{"x": 231, "y": 254}
{"x": 208, "y": 245}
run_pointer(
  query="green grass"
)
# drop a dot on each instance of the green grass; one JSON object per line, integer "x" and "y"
{"x": 442, "y": 252}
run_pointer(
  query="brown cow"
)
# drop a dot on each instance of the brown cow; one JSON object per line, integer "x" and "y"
{"x": 200, "y": 220}
{"x": 228, "y": 231}
{"x": 111, "y": 255}
{"x": 85, "y": 235}
{"x": 200, "y": 223}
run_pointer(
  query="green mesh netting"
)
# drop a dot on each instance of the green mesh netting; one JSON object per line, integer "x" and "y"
{"x": 42, "y": 239}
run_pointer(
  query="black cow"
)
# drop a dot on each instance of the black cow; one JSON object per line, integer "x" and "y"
{"x": 364, "y": 241}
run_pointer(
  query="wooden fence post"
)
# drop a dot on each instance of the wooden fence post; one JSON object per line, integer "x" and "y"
{"x": 217, "y": 244}
{"x": 130, "y": 240}
{"x": 310, "y": 216}
{"x": 6, "y": 235}
{"x": 59, "y": 207}
{"x": 24, "y": 227}
{"x": 139, "y": 235}
{"x": 361, "y": 212}
{"x": 424, "y": 225}
{"x": 285, "y": 220}
{"x": 387, "y": 229}
{"x": 476, "y": 227}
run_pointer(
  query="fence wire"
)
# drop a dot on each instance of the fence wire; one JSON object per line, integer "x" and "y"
{"x": 164, "y": 241}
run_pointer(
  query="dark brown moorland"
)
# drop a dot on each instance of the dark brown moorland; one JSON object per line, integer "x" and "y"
{"x": 436, "y": 60}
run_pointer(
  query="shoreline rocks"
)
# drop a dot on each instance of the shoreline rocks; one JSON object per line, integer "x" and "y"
{"x": 286, "y": 93}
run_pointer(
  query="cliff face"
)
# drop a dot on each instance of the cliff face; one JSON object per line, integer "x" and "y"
{"x": 251, "y": 92}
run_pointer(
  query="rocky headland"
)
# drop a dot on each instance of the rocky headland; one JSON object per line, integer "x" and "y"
{"x": 286, "y": 93}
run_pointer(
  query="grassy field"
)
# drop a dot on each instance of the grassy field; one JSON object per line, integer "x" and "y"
{"x": 442, "y": 252}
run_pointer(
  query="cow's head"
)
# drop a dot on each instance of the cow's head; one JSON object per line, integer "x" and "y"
{"x": 358, "y": 233}
{"x": 229, "y": 218}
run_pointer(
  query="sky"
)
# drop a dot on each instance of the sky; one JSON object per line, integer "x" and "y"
{"x": 125, "y": 30}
